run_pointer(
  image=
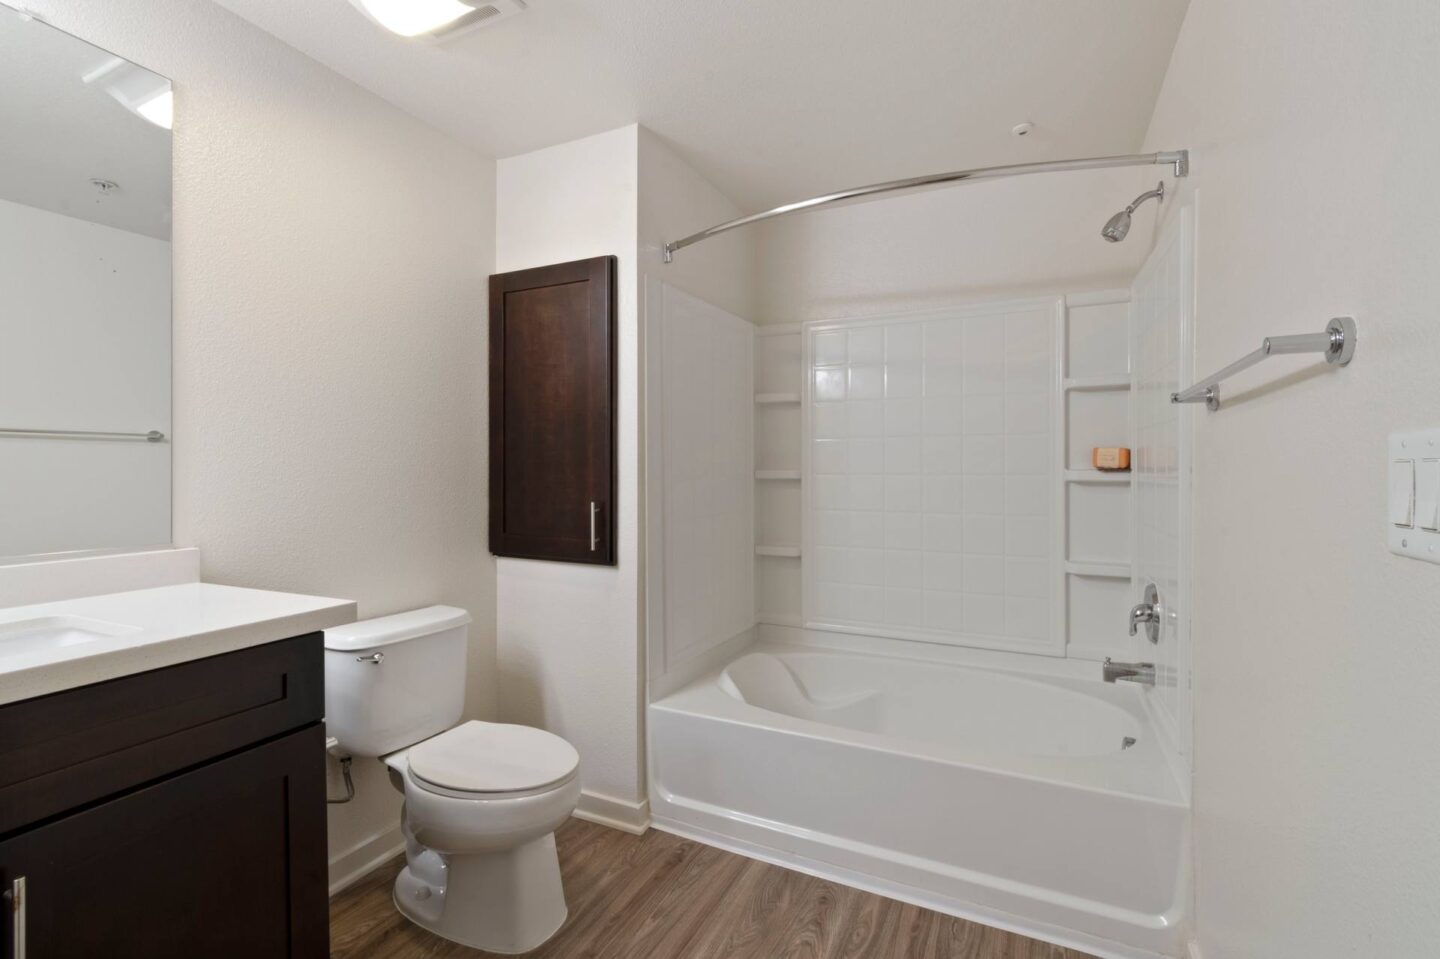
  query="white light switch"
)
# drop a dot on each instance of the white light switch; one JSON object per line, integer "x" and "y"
{"x": 1413, "y": 510}
{"x": 1427, "y": 493}
{"x": 1402, "y": 492}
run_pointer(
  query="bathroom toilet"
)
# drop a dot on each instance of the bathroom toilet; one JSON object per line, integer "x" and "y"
{"x": 482, "y": 800}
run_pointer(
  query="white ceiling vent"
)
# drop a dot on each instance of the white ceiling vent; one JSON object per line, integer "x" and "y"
{"x": 436, "y": 19}
{"x": 491, "y": 11}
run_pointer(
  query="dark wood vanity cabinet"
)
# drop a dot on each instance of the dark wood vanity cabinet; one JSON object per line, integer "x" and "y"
{"x": 175, "y": 813}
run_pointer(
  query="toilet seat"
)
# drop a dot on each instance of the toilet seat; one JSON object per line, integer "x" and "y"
{"x": 492, "y": 760}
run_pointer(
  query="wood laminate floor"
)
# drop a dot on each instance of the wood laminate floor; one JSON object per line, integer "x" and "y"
{"x": 658, "y": 896}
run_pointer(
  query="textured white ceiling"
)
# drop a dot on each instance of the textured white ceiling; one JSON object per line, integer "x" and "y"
{"x": 773, "y": 99}
{"x": 57, "y": 134}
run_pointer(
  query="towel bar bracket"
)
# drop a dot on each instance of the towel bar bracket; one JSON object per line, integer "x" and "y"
{"x": 1337, "y": 343}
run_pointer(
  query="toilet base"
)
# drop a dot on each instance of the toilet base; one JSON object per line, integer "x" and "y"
{"x": 509, "y": 901}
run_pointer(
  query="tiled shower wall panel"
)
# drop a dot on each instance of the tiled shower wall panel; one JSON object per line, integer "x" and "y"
{"x": 929, "y": 475}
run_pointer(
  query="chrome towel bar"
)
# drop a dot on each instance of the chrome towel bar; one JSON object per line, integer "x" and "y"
{"x": 1337, "y": 342}
{"x": 153, "y": 436}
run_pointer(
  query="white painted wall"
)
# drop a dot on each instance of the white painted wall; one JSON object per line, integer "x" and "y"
{"x": 1316, "y": 657}
{"x": 569, "y": 635}
{"x": 985, "y": 240}
{"x": 330, "y": 358}
{"x": 676, "y": 201}
{"x": 85, "y": 325}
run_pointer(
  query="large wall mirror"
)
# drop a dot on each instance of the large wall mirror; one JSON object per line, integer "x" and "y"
{"x": 84, "y": 296}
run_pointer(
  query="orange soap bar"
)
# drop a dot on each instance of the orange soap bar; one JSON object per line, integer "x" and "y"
{"x": 1110, "y": 458}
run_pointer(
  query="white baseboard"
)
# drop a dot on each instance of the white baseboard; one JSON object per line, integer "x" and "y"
{"x": 357, "y": 862}
{"x": 622, "y": 814}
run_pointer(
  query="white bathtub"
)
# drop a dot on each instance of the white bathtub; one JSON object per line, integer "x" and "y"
{"x": 1017, "y": 800}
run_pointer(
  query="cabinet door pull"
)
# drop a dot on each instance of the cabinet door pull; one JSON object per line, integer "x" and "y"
{"x": 594, "y": 536}
{"x": 15, "y": 895}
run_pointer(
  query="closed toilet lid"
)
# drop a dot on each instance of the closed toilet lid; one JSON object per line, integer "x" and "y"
{"x": 493, "y": 758}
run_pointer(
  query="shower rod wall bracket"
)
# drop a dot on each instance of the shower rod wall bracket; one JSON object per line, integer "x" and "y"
{"x": 1337, "y": 343}
{"x": 1178, "y": 160}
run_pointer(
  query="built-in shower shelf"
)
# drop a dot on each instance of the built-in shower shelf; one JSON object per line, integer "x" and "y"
{"x": 789, "y": 552}
{"x": 1105, "y": 570}
{"x": 777, "y": 474}
{"x": 1096, "y": 476}
{"x": 1090, "y": 383}
{"x": 766, "y": 398}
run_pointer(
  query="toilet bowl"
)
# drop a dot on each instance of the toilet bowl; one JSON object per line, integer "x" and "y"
{"x": 482, "y": 800}
{"x": 482, "y": 803}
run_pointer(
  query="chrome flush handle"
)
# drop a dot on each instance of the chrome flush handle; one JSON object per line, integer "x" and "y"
{"x": 374, "y": 659}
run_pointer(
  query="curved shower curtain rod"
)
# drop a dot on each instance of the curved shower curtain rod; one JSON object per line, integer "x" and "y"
{"x": 1180, "y": 159}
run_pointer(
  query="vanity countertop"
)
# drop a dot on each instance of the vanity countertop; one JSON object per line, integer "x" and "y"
{"x": 147, "y": 629}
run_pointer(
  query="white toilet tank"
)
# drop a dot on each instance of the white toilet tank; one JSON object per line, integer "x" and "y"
{"x": 394, "y": 681}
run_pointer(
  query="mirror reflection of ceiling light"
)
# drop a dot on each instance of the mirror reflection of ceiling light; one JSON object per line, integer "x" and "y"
{"x": 145, "y": 94}
{"x": 159, "y": 109}
{"x": 435, "y": 18}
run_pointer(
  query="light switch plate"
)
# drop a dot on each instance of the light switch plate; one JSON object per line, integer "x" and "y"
{"x": 1412, "y": 473}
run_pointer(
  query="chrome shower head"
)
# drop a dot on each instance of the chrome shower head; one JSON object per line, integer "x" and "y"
{"x": 1118, "y": 225}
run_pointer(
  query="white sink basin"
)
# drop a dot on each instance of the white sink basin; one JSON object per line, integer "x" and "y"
{"x": 55, "y": 632}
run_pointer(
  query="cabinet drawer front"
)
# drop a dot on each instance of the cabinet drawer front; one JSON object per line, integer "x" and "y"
{"x": 61, "y": 751}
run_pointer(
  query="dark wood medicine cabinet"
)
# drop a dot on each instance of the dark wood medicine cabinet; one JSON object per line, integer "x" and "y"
{"x": 552, "y": 412}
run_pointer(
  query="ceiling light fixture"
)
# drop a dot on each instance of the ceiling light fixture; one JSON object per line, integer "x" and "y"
{"x": 435, "y": 18}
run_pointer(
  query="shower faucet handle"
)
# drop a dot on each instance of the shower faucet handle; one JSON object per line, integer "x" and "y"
{"x": 1147, "y": 612}
{"x": 1141, "y": 613}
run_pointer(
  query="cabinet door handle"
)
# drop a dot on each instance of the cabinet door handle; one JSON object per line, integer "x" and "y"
{"x": 15, "y": 895}
{"x": 594, "y": 535}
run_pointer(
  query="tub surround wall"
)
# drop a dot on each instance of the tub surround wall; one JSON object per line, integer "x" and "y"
{"x": 329, "y": 339}
{"x": 1073, "y": 586}
{"x": 1162, "y": 339}
{"x": 928, "y": 472}
{"x": 1316, "y": 661}
{"x": 956, "y": 249}
{"x": 700, "y": 500}
{"x": 710, "y": 292}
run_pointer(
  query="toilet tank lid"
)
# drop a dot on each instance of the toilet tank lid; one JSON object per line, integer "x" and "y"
{"x": 369, "y": 633}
